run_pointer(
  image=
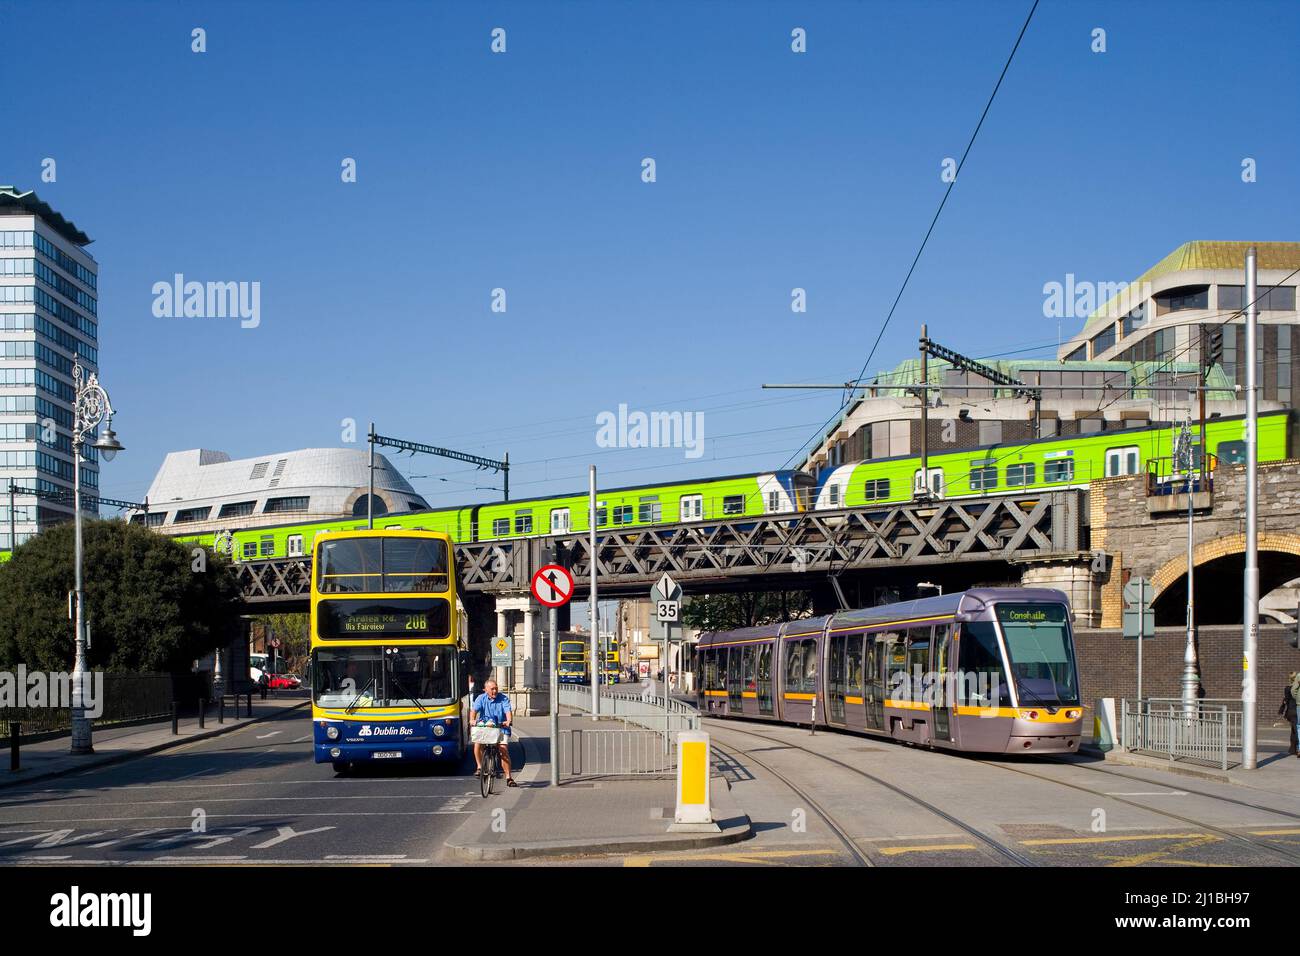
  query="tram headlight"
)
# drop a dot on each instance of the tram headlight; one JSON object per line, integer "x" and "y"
{"x": 1074, "y": 714}
{"x": 1029, "y": 715}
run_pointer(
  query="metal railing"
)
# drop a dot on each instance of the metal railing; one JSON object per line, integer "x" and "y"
{"x": 126, "y": 698}
{"x": 645, "y": 710}
{"x": 1163, "y": 727}
{"x": 615, "y": 751}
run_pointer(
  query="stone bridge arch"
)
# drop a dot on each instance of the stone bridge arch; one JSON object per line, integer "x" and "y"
{"x": 1219, "y": 564}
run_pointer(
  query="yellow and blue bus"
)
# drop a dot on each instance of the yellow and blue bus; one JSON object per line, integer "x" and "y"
{"x": 613, "y": 673}
{"x": 389, "y": 672}
{"x": 573, "y": 662}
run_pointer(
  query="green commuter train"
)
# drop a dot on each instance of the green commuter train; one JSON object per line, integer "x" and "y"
{"x": 1045, "y": 464}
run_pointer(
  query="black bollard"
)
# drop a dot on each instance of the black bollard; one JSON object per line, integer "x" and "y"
{"x": 250, "y": 704}
{"x": 203, "y": 705}
{"x": 15, "y": 731}
{"x": 221, "y": 710}
{"x": 175, "y": 721}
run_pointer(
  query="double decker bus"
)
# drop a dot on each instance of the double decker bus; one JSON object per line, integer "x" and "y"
{"x": 573, "y": 662}
{"x": 388, "y": 662}
{"x": 613, "y": 674}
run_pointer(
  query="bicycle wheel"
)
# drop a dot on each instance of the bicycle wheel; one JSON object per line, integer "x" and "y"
{"x": 485, "y": 775}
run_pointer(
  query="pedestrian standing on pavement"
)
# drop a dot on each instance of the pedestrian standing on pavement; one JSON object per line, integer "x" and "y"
{"x": 1288, "y": 710}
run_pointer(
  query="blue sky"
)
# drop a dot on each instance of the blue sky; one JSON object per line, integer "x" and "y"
{"x": 522, "y": 171}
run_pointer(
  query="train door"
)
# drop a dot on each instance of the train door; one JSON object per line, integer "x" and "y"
{"x": 765, "y": 698}
{"x": 559, "y": 521}
{"x": 835, "y": 684}
{"x": 932, "y": 485}
{"x": 735, "y": 682}
{"x": 749, "y": 691}
{"x": 942, "y": 648}
{"x": 874, "y": 672}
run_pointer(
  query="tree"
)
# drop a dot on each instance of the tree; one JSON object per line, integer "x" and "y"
{"x": 291, "y": 629}
{"x": 727, "y": 612}
{"x": 153, "y": 604}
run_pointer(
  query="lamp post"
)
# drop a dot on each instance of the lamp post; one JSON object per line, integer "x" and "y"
{"x": 90, "y": 407}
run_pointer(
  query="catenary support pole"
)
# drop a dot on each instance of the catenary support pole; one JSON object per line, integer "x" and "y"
{"x": 1250, "y": 615}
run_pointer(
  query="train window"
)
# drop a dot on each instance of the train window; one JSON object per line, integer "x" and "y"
{"x": 894, "y": 647}
{"x": 980, "y": 678}
{"x": 1121, "y": 461}
{"x": 500, "y": 527}
{"x": 623, "y": 514}
{"x": 809, "y": 685}
{"x": 266, "y": 546}
{"x": 602, "y": 516}
{"x": 650, "y": 511}
{"x": 1232, "y": 452}
{"x": 523, "y": 522}
{"x": 793, "y": 667}
{"x": 773, "y": 502}
{"x": 876, "y": 489}
{"x": 1058, "y": 469}
{"x": 983, "y": 475}
{"x": 250, "y": 549}
{"x": 853, "y": 665}
{"x": 733, "y": 505}
{"x": 692, "y": 507}
{"x": 748, "y": 670}
{"x": 918, "y": 662}
{"x": 833, "y": 495}
{"x": 1019, "y": 475}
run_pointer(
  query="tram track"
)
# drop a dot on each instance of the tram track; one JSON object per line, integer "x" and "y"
{"x": 1283, "y": 852}
{"x": 1003, "y": 851}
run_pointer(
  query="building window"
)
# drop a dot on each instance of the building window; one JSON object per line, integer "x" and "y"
{"x": 523, "y": 522}
{"x": 1102, "y": 341}
{"x": 983, "y": 475}
{"x": 1049, "y": 427}
{"x": 733, "y": 505}
{"x": 1058, "y": 469}
{"x": 876, "y": 489}
{"x": 991, "y": 433}
{"x": 500, "y": 527}
{"x": 299, "y": 503}
{"x": 358, "y": 507}
{"x": 187, "y": 515}
{"x": 1135, "y": 320}
{"x": 1279, "y": 298}
{"x": 1183, "y": 298}
{"x": 1284, "y": 364}
{"x": 1020, "y": 475}
{"x": 1078, "y": 355}
{"x": 1090, "y": 426}
{"x": 237, "y": 509}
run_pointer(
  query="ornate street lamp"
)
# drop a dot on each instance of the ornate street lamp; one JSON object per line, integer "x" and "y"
{"x": 90, "y": 407}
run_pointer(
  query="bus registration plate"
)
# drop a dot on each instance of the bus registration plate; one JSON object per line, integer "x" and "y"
{"x": 387, "y": 754}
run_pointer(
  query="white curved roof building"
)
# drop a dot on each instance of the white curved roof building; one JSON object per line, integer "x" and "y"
{"x": 203, "y": 490}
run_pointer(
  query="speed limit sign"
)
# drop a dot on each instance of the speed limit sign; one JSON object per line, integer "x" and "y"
{"x": 668, "y": 611}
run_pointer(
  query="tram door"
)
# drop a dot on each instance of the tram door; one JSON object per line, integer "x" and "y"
{"x": 874, "y": 691}
{"x": 835, "y": 685}
{"x": 942, "y": 647}
{"x": 765, "y": 698}
{"x": 735, "y": 682}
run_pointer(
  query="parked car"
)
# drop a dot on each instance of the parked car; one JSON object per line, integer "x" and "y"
{"x": 285, "y": 682}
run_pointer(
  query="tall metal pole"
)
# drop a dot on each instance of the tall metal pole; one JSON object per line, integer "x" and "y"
{"x": 592, "y": 608}
{"x": 370, "y": 498}
{"x": 80, "y": 724}
{"x": 1250, "y": 611}
{"x": 506, "y": 474}
{"x": 13, "y": 534}
{"x": 1190, "y": 681}
{"x": 554, "y": 643}
{"x": 925, "y": 413}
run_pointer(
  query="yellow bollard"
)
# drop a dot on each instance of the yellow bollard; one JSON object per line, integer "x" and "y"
{"x": 694, "y": 812}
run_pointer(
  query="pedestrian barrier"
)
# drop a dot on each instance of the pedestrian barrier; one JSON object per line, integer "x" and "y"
{"x": 1205, "y": 731}
{"x": 614, "y": 752}
{"x": 648, "y": 711}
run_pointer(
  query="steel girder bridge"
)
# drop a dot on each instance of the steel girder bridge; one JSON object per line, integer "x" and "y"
{"x": 778, "y": 550}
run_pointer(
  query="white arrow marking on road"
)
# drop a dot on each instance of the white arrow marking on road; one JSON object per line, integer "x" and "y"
{"x": 40, "y": 834}
{"x": 271, "y": 734}
{"x": 218, "y": 841}
{"x": 287, "y": 833}
{"x": 129, "y": 836}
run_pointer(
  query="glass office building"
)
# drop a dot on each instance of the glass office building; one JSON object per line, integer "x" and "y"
{"x": 48, "y": 308}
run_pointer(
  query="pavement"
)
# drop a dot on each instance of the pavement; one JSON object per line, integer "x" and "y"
{"x": 586, "y": 817}
{"x": 1275, "y": 770}
{"x": 50, "y": 758}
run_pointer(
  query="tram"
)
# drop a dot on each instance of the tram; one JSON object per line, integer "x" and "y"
{"x": 989, "y": 670}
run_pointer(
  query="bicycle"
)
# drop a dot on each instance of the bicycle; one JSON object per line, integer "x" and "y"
{"x": 490, "y": 737}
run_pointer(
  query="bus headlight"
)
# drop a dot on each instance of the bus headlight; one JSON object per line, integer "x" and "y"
{"x": 334, "y": 752}
{"x": 437, "y": 750}
{"x": 332, "y": 733}
{"x": 439, "y": 730}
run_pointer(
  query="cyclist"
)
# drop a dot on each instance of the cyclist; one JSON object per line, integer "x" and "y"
{"x": 493, "y": 707}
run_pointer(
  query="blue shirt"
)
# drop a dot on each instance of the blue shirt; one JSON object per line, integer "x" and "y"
{"x": 493, "y": 710}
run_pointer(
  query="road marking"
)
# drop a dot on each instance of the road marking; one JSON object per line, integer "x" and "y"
{"x": 895, "y": 850}
{"x": 1290, "y": 832}
{"x": 299, "y": 740}
{"x": 755, "y": 856}
{"x": 271, "y": 734}
{"x": 133, "y": 835}
{"x": 365, "y": 856}
{"x": 251, "y": 799}
{"x": 287, "y": 833}
{"x": 186, "y": 817}
{"x": 1115, "y": 839}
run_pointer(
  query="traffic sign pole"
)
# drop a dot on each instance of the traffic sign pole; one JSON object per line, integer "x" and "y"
{"x": 594, "y": 608}
{"x": 555, "y": 699}
{"x": 552, "y": 586}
